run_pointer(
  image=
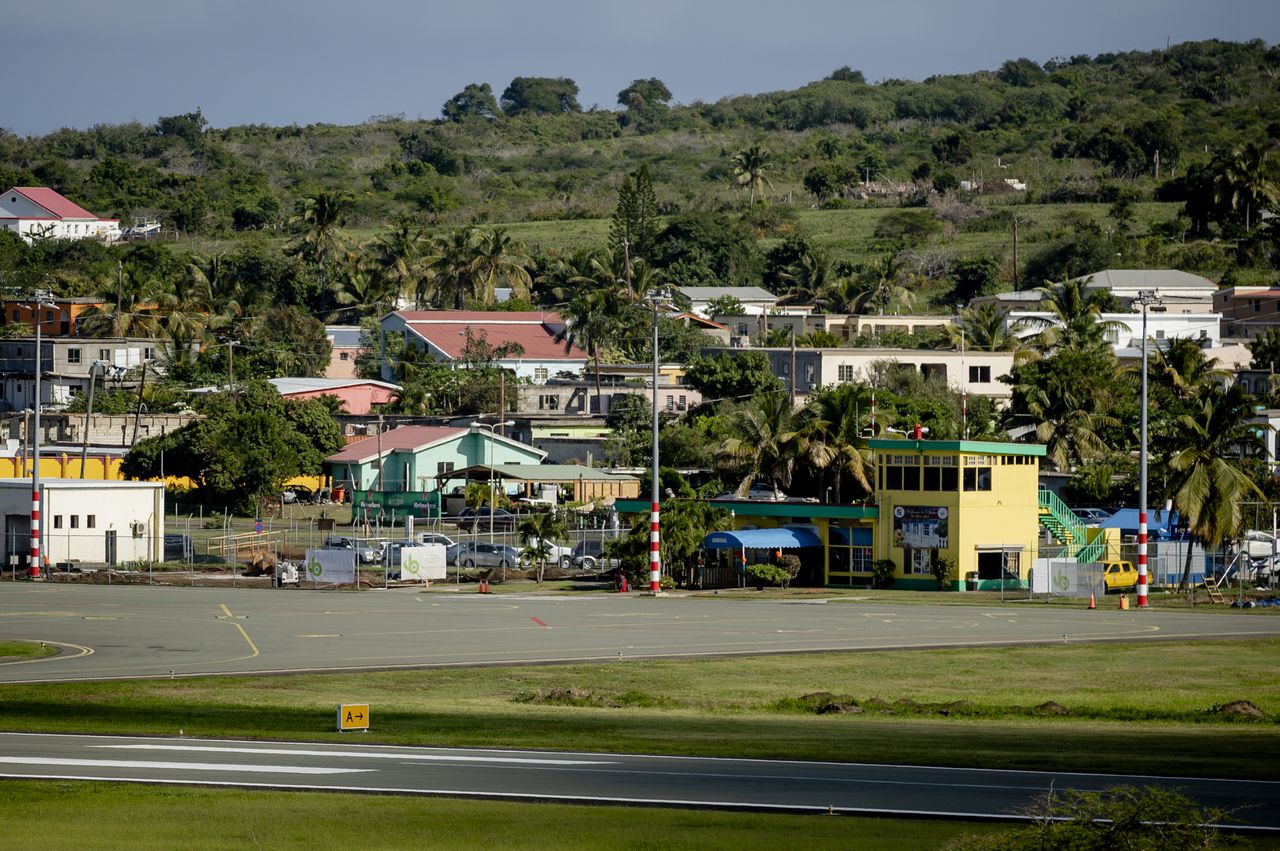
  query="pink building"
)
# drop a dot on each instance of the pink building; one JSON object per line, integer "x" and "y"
{"x": 345, "y": 340}
{"x": 358, "y": 395}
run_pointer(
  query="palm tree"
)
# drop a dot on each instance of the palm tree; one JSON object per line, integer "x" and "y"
{"x": 750, "y": 169}
{"x": 1069, "y": 420}
{"x": 834, "y": 435}
{"x": 501, "y": 262}
{"x": 126, "y": 307}
{"x": 538, "y": 532}
{"x": 1181, "y": 366}
{"x": 1207, "y": 483}
{"x": 983, "y": 329}
{"x": 811, "y": 279}
{"x": 319, "y": 220}
{"x": 453, "y": 263}
{"x": 397, "y": 257}
{"x": 1246, "y": 183}
{"x": 881, "y": 287}
{"x": 765, "y": 440}
{"x": 1074, "y": 320}
{"x": 591, "y": 321}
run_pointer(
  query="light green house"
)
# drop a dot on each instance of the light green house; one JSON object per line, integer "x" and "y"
{"x": 412, "y": 458}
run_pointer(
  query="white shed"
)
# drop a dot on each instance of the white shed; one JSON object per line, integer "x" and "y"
{"x": 87, "y": 521}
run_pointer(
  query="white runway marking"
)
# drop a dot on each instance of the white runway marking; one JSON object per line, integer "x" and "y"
{"x": 182, "y": 766}
{"x": 362, "y": 754}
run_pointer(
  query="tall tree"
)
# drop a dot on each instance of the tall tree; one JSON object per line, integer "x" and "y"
{"x": 634, "y": 227}
{"x": 1246, "y": 184}
{"x": 476, "y": 100}
{"x": 1207, "y": 482}
{"x": 766, "y": 441}
{"x": 591, "y": 321}
{"x": 751, "y": 169}
{"x": 538, "y": 531}
{"x": 835, "y": 436}
{"x": 540, "y": 96}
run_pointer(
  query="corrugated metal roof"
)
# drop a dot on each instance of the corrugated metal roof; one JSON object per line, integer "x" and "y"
{"x": 404, "y": 437}
{"x": 287, "y": 386}
{"x": 53, "y": 202}
{"x": 740, "y": 293}
{"x": 343, "y": 336}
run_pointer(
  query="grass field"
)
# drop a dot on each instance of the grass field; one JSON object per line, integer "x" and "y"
{"x": 751, "y": 707}
{"x": 11, "y": 651}
{"x": 110, "y": 816}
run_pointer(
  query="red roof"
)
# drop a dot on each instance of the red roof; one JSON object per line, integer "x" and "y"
{"x": 53, "y": 202}
{"x": 534, "y": 331}
{"x": 404, "y": 437}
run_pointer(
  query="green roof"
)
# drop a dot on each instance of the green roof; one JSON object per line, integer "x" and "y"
{"x": 751, "y": 508}
{"x": 985, "y": 447}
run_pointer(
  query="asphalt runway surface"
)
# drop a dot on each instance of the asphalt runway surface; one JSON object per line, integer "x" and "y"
{"x": 141, "y": 631}
{"x": 771, "y": 785}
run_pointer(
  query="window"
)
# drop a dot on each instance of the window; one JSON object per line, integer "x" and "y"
{"x": 91, "y": 521}
{"x": 671, "y": 403}
{"x": 75, "y": 521}
{"x": 548, "y": 402}
{"x": 14, "y": 318}
{"x": 444, "y": 467}
{"x": 845, "y": 373}
{"x": 57, "y": 521}
{"x": 540, "y": 373}
{"x": 344, "y": 356}
{"x": 1159, "y": 333}
{"x": 919, "y": 562}
{"x": 979, "y": 375}
{"x": 1204, "y": 333}
{"x": 104, "y": 354}
{"x": 148, "y": 353}
{"x": 73, "y": 355}
{"x": 977, "y": 479}
{"x": 808, "y": 374}
{"x": 683, "y": 402}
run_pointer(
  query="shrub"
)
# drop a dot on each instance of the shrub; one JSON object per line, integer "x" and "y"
{"x": 944, "y": 571}
{"x": 882, "y": 570}
{"x": 768, "y": 574}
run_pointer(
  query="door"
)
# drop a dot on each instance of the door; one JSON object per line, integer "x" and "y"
{"x": 17, "y": 540}
{"x": 111, "y": 547}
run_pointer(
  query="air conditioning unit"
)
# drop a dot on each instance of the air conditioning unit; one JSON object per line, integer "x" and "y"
{"x": 139, "y": 528}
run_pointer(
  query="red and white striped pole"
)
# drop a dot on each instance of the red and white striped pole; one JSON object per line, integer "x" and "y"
{"x": 1142, "y": 558}
{"x": 33, "y": 570}
{"x": 655, "y": 558}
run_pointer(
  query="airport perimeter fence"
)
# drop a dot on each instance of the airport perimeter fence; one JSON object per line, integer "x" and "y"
{"x": 203, "y": 546}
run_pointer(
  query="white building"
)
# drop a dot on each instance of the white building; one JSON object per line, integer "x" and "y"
{"x": 1180, "y": 292}
{"x": 1126, "y": 335}
{"x": 35, "y": 212}
{"x": 754, "y": 300}
{"x": 972, "y": 372}
{"x": 86, "y": 521}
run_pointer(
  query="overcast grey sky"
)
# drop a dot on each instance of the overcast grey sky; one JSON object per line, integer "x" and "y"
{"x": 76, "y": 63}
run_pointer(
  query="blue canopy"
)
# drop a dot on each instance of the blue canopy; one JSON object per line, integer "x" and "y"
{"x": 1160, "y": 524}
{"x": 762, "y": 539}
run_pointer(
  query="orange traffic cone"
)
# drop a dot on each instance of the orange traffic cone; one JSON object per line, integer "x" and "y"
{"x": 1093, "y": 601}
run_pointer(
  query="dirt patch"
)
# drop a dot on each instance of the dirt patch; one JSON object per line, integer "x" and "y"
{"x": 1050, "y": 707}
{"x": 1239, "y": 709}
{"x": 565, "y": 696}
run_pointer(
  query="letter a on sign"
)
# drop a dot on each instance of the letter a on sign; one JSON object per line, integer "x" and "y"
{"x": 353, "y": 716}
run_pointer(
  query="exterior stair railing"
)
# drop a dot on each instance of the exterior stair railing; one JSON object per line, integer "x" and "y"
{"x": 1063, "y": 524}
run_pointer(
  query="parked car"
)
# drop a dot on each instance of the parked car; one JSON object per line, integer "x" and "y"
{"x": 589, "y": 555}
{"x": 486, "y": 518}
{"x": 1119, "y": 575}
{"x": 757, "y": 493}
{"x": 483, "y": 554}
{"x": 1092, "y": 516}
{"x": 556, "y": 554}
{"x": 366, "y": 553}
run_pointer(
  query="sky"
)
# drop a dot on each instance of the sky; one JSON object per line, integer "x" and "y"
{"x": 77, "y": 63}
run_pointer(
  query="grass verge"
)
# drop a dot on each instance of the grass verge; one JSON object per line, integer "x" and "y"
{"x": 87, "y": 815}
{"x": 1130, "y": 709}
{"x": 16, "y": 651}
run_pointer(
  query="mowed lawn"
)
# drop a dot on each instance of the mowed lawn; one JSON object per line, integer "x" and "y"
{"x": 121, "y": 816}
{"x": 1145, "y": 708}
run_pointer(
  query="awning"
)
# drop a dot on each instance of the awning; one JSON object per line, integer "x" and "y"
{"x": 762, "y": 539}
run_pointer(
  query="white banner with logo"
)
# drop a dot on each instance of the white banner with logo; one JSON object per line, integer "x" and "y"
{"x": 333, "y": 567}
{"x": 422, "y": 563}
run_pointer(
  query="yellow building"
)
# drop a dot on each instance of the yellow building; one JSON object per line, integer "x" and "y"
{"x": 974, "y": 502}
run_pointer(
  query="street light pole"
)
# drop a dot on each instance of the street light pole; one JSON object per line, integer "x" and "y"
{"x": 1145, "y": 298}
{"x": 655, "y": 511}
{"x": 41, "y": 299}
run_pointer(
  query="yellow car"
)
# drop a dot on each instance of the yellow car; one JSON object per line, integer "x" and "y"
{"x": 1119, "y": 575}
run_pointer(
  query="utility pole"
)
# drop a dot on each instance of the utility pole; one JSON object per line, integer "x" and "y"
{"x": 88, "y": 413}
{"x": 1015, "y": 253}
{"x": 137, "y": 414}
{"x": 793, "y": 367}
{"x": 119, "y": 293}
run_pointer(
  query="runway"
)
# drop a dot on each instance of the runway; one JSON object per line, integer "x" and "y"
{"x": 140, "y": 632}
{"x": 768, "y": 785}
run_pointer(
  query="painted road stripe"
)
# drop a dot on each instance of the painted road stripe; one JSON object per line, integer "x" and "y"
{"x": 540, "y": 622}
{"x": 363, "y": 754}
{"x": 181, "y": 766}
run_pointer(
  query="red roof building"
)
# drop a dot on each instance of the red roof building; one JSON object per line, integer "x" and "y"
{"x": 445, "y": 334}
{"x": 37, "y": 212}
